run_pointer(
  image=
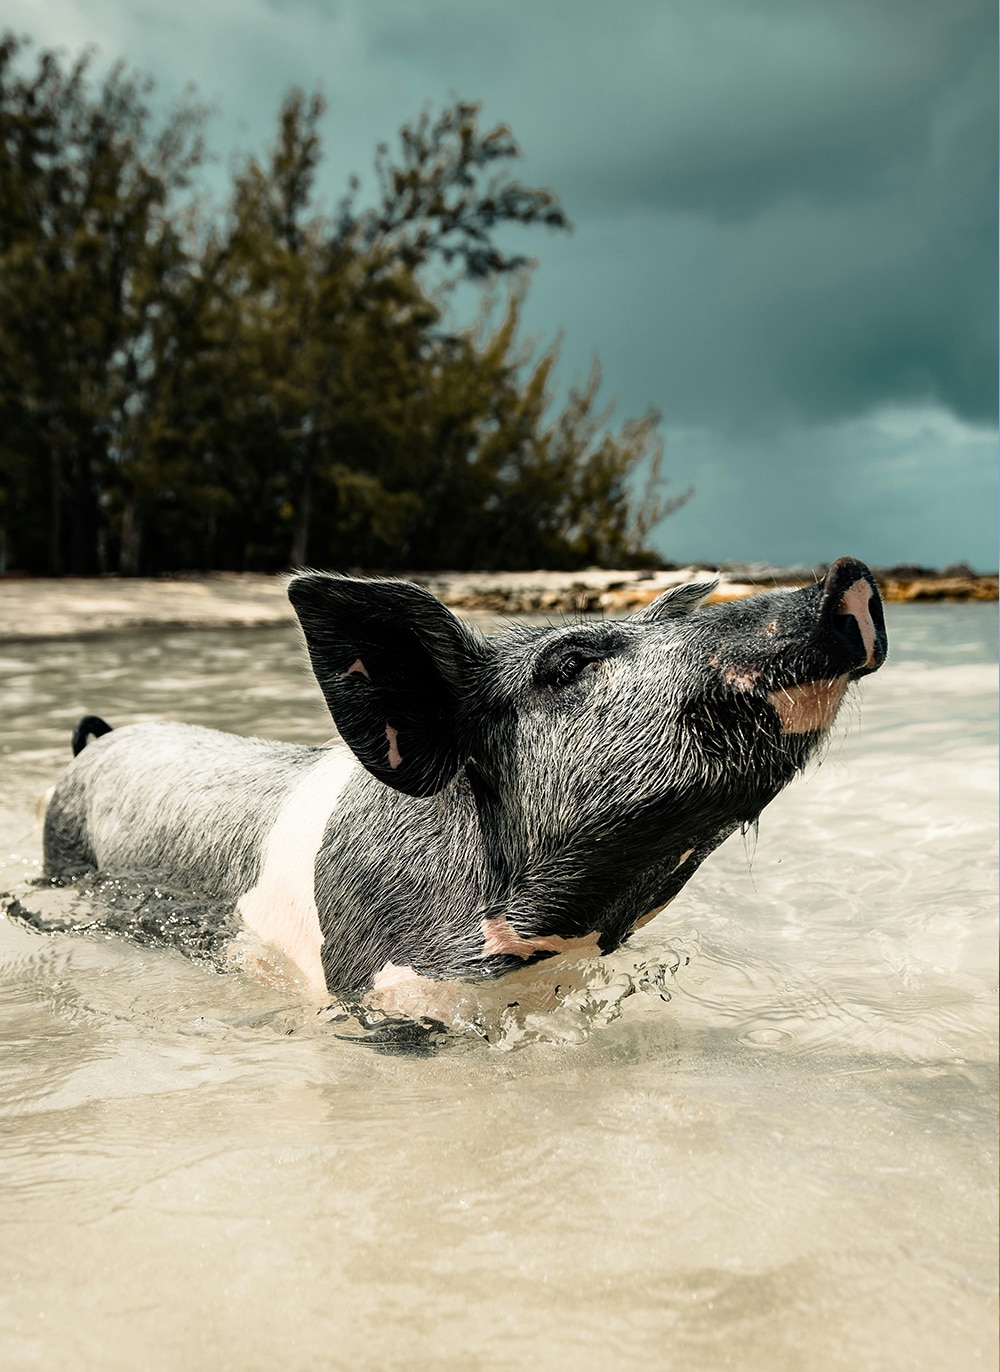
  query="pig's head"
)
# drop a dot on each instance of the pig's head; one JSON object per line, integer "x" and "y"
{"x": 605, "y": 759}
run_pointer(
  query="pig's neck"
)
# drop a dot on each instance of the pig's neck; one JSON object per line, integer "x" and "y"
{"x": 447, "y": 886}
{"x": 403, "y": 880}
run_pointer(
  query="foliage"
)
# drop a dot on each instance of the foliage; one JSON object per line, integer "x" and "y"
{"x": 273, "y": 385}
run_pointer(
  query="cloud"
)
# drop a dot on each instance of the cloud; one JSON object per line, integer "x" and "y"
{"x": 798, "y": 196}
{"x": 801, "y": 315}
{"x": 712, "y": 106}
{"x": 904, "y": 485}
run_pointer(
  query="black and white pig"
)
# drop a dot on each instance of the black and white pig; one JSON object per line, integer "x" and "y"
{"x": 495, "y": 799}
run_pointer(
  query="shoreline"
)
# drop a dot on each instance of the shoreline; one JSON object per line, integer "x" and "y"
{"x": 34, "y": 608}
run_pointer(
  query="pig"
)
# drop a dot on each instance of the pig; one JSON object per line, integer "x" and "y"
{"x": 491, "y": 800}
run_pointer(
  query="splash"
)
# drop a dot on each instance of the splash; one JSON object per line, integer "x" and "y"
{"x": 560, "y": 1001}
{"x": 129, "y": 906}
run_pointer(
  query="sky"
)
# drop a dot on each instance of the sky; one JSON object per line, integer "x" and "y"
{"x": 784, "y": 224}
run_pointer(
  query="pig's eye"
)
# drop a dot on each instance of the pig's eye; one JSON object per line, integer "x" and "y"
{"x": 566, "y": 660}
{"x": 562, "y": 671}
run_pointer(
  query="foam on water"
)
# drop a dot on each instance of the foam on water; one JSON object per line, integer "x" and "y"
{"x": 760, "y": 1136}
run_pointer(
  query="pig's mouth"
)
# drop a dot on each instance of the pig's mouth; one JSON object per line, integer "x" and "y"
{"x": 832, "y": 634}
{"x": 810, "y": 708}
{"x": 849, "y": 641}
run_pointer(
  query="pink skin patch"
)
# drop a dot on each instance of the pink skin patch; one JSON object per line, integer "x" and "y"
{"x": 394, "y": 755}
{"x": 741, "y": 678}
{"x": 499, "y": 936}
{"x": 810, "y": 708}
{"x": 652, "y": 915}
{"x": 357, "y": 666}
{"x": 393, "y": 975}
{"x": 855, "y": 602}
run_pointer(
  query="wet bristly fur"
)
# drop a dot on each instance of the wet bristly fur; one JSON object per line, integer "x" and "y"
{"x": 547, "y": 783}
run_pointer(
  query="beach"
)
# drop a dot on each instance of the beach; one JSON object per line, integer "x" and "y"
{"x": 42, "y": 607}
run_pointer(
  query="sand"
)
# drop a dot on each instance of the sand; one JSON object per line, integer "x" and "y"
{"x": 39, "y": 607}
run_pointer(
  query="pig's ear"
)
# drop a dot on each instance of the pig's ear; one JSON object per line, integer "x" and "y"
{"x": 681, "y": 600}
{"x": 397, "y": 670}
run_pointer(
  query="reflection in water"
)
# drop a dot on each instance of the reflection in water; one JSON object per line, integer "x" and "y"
{"x": 758, "y": 1136}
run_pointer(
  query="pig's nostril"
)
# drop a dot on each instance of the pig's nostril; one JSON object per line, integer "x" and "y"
{"x": 848, "y": 634}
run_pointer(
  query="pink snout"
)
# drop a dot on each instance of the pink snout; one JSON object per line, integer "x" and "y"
{"x": 856, "y": 601}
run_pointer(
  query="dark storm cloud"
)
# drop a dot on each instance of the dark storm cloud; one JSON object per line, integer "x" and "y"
{"x": 720, "y": 107}
{"x": 805, "y": 191}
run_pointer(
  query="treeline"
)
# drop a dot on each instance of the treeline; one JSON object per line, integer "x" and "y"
{"x": 266, "y": 384}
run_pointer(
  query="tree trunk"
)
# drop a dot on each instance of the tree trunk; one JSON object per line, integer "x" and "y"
{"x": 300, "y": 533}
{"x": 209, "y": 544}
{"x": 131, "y": 544}
{"x": 55, "y": 510}
{"x": 83, "y": 513}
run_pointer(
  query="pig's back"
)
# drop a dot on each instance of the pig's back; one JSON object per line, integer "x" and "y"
{"x": 190, "y": 803}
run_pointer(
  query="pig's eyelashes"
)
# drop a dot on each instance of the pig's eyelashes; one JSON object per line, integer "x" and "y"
{"x": 563, "y": 671}
{"x": 575, "y": 655}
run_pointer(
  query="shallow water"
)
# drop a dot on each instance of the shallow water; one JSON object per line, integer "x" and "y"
{"x": 788, "y": 1163}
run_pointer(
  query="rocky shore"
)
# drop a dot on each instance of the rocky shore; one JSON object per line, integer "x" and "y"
{"x": 37, "y": 607}
{"x": 613, "y": 592}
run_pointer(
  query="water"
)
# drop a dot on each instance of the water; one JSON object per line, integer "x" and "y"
{"x": 788, "y": 1164}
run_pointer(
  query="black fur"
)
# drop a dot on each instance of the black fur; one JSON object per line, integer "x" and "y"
{"x": 91, "y": 726}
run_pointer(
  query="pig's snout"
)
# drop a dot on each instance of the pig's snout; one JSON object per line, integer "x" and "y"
{"x": 851, "y": 614}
